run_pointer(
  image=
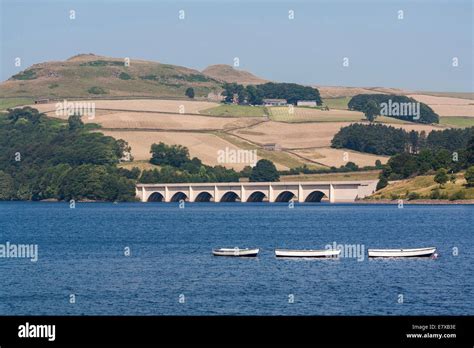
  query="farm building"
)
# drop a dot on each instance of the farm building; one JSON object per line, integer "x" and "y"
{"x": 272, "y": 147}
{"x": 311, "y": 103}
{"x": 274, "y": 102}
{"x": 42, "y": 101}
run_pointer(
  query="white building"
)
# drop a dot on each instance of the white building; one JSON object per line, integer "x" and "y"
{"x": 274, "y": 102}
{"x": 311, "y": 103}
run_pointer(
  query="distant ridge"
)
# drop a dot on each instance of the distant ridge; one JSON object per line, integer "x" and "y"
{"x": 90, "y": 75}
{"x": 227, "y": 73}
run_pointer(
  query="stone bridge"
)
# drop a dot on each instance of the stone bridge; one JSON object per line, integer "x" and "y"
{"x": 306, "y": 191}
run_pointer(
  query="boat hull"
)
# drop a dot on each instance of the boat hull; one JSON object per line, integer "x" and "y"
{"x": 420, "y": 252}
{"x": 235, "y": 252}
{"x": 307, "y": 253}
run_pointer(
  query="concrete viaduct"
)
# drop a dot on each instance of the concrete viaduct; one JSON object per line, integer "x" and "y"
{"x": 307, "y": 191}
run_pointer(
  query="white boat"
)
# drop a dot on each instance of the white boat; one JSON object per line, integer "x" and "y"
{"x": 306, "y": 253}
{"x": 235, "y": 252}
{"x": 420, "y": 252}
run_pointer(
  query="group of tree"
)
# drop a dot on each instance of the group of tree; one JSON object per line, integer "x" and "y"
{"x": 441, "y": 162}
{"x": 254, "y": 94}
{"x": 379, "y": 139}
{"x": 41, "y": 158}
{"x": 176, "y": 165}
{"x": 373, "y": 105}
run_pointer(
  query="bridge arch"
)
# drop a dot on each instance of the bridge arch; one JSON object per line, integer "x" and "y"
{"x": 257, "y": 196}
{"x": 156, "y": 197}
{"x": 230, "y": 196}
{"x": 204, "y": 197}
{"x": 285, "y": 196}
{"x": 315, "y": 196}
{"x": 178, "y": 196}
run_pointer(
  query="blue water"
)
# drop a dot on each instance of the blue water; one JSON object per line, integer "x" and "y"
{"x": 81, "y": 252}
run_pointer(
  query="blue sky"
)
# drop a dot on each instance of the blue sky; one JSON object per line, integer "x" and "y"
{"x": 414, "y": 53}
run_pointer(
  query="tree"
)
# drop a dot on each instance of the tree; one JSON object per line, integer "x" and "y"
{"x": 469, "y": 176}
{"x": 174, "y": 155}
{"x": 452, "y": 178}
{"x": 371, "y": 110}
{"x": 264, "y": 170}
{"x": 441, "y": 176}
{"x": 383, "y": 182}
{"x": 254, "y": 95}
{"x": 190, "y": 92}
{"x": 470, "y": 152}
{"x": 6, "y": 186}
{"x": 75, "y": 123}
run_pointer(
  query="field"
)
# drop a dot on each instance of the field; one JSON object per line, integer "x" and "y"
{"x": 460, "y": 122}
{"x": 447, "y": 106}
{"x": 202, "y": 145}
{"x": 337, "y": 103}
{"x": 157, "y": 105}
{"x": 157, "y": 121}
{"x": 365, "y": 175}
{"x": 300, "y": 114}
{"x": 282, "y": 160}
{"x": 6, "y": 103}
{"x": 229, "y": 110}
{"x": 423, "y": 185}
{"x": 304, "y": 135}
{"x": 339, "y": 157}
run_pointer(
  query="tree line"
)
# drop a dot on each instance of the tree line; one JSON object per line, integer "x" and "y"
{"x": 254, "y": 94}
{"x": 380, "y": 139}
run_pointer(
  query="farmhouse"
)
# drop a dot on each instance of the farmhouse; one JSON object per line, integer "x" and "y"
{"x": 271, "y": 147}
{"x": 311, "y": 103}
{"x": 274, "y": 102}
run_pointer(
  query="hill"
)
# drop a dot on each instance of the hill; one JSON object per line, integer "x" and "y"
{"x": 227, "y": 73}
{"x": 89, "y": 76}
{"x": 424, "y": 187}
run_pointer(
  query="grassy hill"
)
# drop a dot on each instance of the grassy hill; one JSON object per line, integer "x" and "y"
{"x": 227, "y": 73}
{"x": 424, "y": 187}
{"x": 89, "y": 75}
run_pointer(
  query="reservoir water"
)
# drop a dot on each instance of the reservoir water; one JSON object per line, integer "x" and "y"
{"x": 155, "y": 259}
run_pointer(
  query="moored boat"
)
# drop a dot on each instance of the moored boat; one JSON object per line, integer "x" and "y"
{"x": 418, "y": 252}
{"x": 307, "y": 253}
{"x": 246, "y": 252}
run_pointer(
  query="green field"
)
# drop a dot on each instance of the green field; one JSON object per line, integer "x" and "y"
{"x": 337, "y": 103}
{"x": 367, "y": 175}
{"x": 231, "y": 110}
{"x": 457, "y": 121}
{"x": 6, "y": 103}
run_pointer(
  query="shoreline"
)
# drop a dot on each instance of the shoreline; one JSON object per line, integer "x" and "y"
{"x": 416, "y": 201}
{"x": 362, "y": 201}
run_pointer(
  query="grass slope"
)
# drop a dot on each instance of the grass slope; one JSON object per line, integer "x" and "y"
{"x": 424, "y": 186}
{"x": 96, "y": 76}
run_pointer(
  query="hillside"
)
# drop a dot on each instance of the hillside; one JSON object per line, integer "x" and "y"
{"x": 227, "y": 73}
{"x": 424, "y": 187}
{"x": 89, "y": 75}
